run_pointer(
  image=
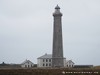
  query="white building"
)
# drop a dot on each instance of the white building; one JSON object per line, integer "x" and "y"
{"x": 46, "y": 61}
{"x": 69, "y": 63}
{"x": 27, "y": 64}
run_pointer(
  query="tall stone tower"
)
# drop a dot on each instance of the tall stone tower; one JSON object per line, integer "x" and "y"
{"x": 57, "y": 53}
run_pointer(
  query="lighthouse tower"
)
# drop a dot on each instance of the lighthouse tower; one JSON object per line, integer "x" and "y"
{"x": 57, "y": 52}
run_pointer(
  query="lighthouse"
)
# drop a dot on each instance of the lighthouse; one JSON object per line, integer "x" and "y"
{"x": 57, "y": 49}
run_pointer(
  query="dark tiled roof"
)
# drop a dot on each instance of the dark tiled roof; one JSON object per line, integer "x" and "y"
{"x": 69, "y": 61}
{"x": 26, "y": 61}
{"x": 45, "y": 56}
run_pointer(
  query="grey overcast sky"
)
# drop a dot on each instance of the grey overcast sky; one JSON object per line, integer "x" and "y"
{"x": 26, "y": 30}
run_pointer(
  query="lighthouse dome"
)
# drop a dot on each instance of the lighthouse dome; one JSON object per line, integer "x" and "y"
{"x": 57, "y": 11}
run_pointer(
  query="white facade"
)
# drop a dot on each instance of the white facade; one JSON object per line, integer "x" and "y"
{"x": 46, "y": 61}
{"x": 27, "y": 64}
{"x": 69, "y": 63}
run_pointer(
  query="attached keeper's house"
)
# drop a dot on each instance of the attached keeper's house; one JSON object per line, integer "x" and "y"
{"x": 46, "y": 61}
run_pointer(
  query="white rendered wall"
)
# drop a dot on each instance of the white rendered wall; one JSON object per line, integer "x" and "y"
{"x": 44, "y": 63}
{"x": 66, "y": 63}
{"x": 27, "y": 65}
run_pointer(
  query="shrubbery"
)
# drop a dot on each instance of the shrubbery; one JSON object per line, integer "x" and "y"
{"x": 61, "y": 71}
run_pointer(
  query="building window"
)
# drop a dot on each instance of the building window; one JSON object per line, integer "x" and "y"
{"x": 25, "y": 65}
{"x": 31, "y": 65}
{"x": 43, "y": 60}
{"x": 49, "y": 60}
{"x": 67, "y": 65}
{"x": 43, "y": 65}
{"x": 72, "y": 65}
{"x": 46, "y": 64}
{"x": 28, "y": 66}
{"x": 49, "y": 64}
{"x": 46, "y": 60}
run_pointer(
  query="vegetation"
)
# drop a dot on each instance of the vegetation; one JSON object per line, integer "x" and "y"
{"x": 60, "y": 71}
{"x": 5, "y": 65}
{"x": 97, "y": 67}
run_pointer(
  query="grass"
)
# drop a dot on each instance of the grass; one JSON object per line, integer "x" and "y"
{"x": 57, "y": 71}
{"x": 97, "y": 67}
